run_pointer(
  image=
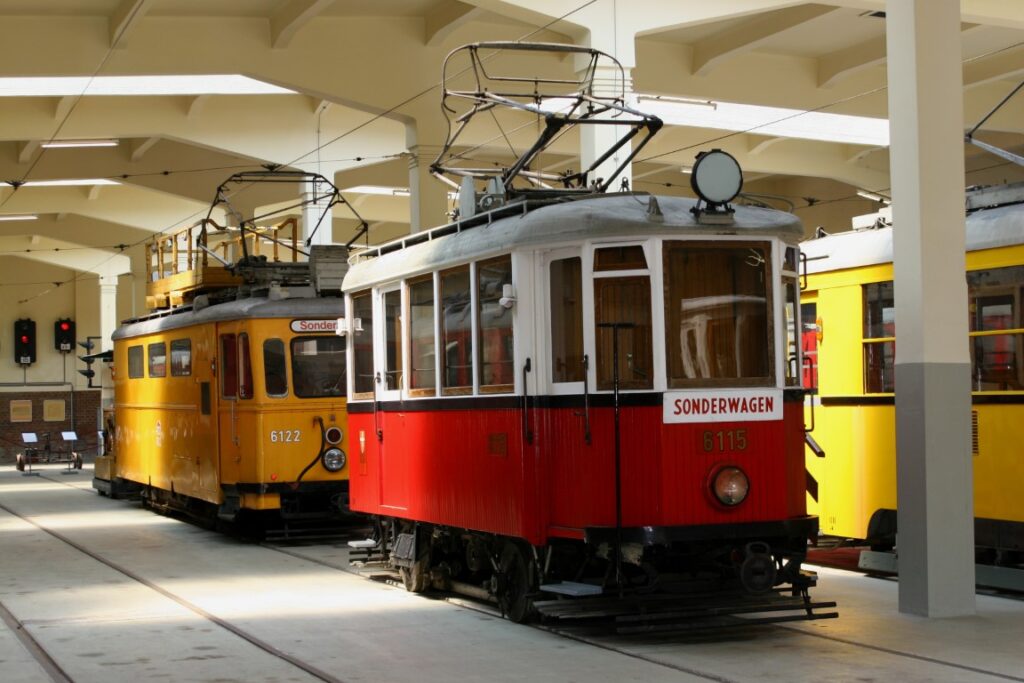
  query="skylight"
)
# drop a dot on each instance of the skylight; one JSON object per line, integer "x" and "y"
{"x": 65, "y": 182}
{"x": 771, "y": 121}
{"x": 231, "y": 84}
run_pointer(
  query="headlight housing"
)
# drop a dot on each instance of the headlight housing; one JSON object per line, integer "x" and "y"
{"x": 333, "y": 459}
{"x": 730, "y": 486}
{"x": 333, "y": 435}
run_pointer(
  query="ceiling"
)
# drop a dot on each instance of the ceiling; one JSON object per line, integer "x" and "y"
{"x": 364, "y": 77}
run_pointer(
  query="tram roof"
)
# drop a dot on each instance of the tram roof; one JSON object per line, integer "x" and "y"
{"x": 550, "y": 224}
{"x": 986, "y": 229}
{"x": 241, "y": 309}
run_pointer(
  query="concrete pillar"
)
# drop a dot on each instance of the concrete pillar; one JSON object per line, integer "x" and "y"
{"x": 319, "y": 197}
{"x": 596, "y": 140}
{"x": 933, "y": 399}
{"x": 428, "y": 197}
{"x": 108, "y": 323}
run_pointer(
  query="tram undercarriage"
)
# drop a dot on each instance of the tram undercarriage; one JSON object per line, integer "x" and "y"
{"x": 676, "y": 585}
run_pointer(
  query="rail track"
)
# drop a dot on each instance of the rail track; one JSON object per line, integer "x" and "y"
{"x": 306, "y": 550}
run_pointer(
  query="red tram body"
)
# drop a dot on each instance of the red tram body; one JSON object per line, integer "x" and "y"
{"x": 493, "y": 461}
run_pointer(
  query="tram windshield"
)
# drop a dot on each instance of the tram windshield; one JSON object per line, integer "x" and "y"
{"x": 717, "y": 315}
{"x": 318, "y": 366}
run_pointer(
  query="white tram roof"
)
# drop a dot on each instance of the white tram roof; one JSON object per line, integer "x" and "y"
{"x": 327, "y": 308}
{"x": 986, "y": 229}
{"x": 550, "y": 224}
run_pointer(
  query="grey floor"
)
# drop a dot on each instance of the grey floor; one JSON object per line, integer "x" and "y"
{"x": 169, "y": 601}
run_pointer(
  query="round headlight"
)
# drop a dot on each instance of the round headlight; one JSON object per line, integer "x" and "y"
{"x": 333, "y": 435}
{"x": 333, "y": 459}
{"x": 730, "y": 485}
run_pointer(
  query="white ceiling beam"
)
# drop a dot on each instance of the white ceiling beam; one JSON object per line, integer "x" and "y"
{"x": 140, "y": 147}
{"x": 194, "y": 106}
{"x": 445, "y": 18}
{"x": 26, "y": 150}
{"x": 62, "y": 106}
{"x": 759, "y": 143}
{"x": 1002, "y": 65}
{"x": 749, "y": 34}
{"x": 66, "y": 254}
{"x": 287, "y": 21}
{"x": 125, "y": 19}
{"x": 92, "y": 193}
{"x": 857, "y": 154}
{"x": 835, "y": 66}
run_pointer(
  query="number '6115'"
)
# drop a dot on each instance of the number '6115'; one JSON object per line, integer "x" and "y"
{"x": 725, "y": 440}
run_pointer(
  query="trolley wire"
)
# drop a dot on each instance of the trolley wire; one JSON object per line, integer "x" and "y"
{"x": 319, "y": 146}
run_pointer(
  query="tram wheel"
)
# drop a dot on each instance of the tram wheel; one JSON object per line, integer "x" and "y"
{"x": 416, "y": 578}
{"x": 514, "y": 592}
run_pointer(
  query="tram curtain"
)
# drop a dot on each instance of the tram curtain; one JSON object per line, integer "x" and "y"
{"x": 717, "y": 320}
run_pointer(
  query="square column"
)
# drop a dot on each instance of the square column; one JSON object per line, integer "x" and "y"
{"x": 933, "y": 390}
{"x": 108, "y": 323}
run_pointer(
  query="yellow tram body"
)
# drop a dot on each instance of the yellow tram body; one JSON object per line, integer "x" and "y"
{"x": 848, "y": 322}
{"x": 234, "y": 406}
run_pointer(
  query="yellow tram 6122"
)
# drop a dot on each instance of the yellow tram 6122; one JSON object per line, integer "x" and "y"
{"x": 235, "y": 404}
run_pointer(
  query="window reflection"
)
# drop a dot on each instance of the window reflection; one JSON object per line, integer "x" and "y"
{"x": 995, "y": 307}
{"x": 717, "y": 314}
{"x": 495, "y": 342}
{"x": 624, "y": 300}
{"x": 456, "y": 331}
{"x": 567, "y": 320}
{"x": 362, "y": 343}
{"x": 421, "y": 335}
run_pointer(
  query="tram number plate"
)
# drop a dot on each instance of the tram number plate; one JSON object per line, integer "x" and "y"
{"x": 725, "y": 440}
{"x": 285, "y": 436}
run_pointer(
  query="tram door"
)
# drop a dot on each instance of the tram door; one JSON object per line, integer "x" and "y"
{"x": 395, "y": 470}
{"x": 234, "y": 390}
{"x": 203, "y": 351}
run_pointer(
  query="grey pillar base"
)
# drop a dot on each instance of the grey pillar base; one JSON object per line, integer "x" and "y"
{"x": 935, "y": 487}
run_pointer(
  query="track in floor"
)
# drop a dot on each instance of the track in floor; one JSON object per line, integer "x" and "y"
{"x": 45, "y": 660}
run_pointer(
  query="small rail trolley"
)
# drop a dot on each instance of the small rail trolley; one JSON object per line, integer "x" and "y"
{"x": 231, "y": 402}
{"x": 850, "y": 335}
{"x": 571, "y": 393}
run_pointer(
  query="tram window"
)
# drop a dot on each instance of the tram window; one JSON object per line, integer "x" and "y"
{"x": 275, "y": 377}
{"x": 995, "y": 306}
{"x": 879, "y": 338}
{"x": 717, "y": 320}
{"x": 495, "y": 342}
{"x": 422, "y": 380}
{"x": 793, "y": 339}
{"x": 318, "y": 366}
{"x": 181, "y": 357}
{"x": 456, "y": 330}
{"x": 158, "y": 359}
{"x": 362, "y": 345}
{"x": 625, "y": 300}
{"x": 228, "y": 366}
{"x": 809, "y": 342}
{"x": 567, "y": 320}
{"x": 244, "y": 367}
{"x": 620, "y": 258}
{"x": 393, "y": 340}
{"x": 879, "y": 311}
{"x": 136, "y": 362}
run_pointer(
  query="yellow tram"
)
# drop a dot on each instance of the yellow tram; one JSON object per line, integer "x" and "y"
{"x": 849, "y": 338}
{"x": 235, "y": 403}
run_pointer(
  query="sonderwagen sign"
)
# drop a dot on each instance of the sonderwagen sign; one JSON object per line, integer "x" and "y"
{"x": 726, "y": 405}
{"x": 314, "y": 325}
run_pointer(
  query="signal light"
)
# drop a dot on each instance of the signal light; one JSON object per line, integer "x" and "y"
{"x": 24, "y": 341}
{"x": 64, "y": 335}
{"x": 88, "y": 359}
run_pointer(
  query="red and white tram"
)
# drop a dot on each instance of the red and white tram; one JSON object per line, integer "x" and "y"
{"x": 488, "y": 430}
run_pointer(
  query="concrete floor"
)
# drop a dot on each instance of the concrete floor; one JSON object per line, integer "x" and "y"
{"x": 196, "y": 606}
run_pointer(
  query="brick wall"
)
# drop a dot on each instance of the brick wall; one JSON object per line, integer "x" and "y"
{"x": 86, "y": 407}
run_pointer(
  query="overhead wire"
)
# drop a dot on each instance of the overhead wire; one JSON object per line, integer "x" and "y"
{"x": 376, "y": 117}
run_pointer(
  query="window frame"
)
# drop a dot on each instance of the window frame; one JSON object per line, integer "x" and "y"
{"x": 149, "y": 359}
{"x": 141, "y": 361}
{"x": 188, "y": 342}
{"x": 478, "y": 329}
{"x": 414, "y": 391}
{"x": 295, "y": 376}
{"x": 462, "y": 389}
{"x": 549, "y": 259}
{"x": 353, "y": 355}
{"x": 284, "y": 367}
{"x": 774, "y": 307}
{"x": 1014, "y": 332}
{"x": 876, "y": 342}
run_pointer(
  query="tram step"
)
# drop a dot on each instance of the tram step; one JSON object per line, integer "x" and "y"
{"x": 572, "y": 589}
